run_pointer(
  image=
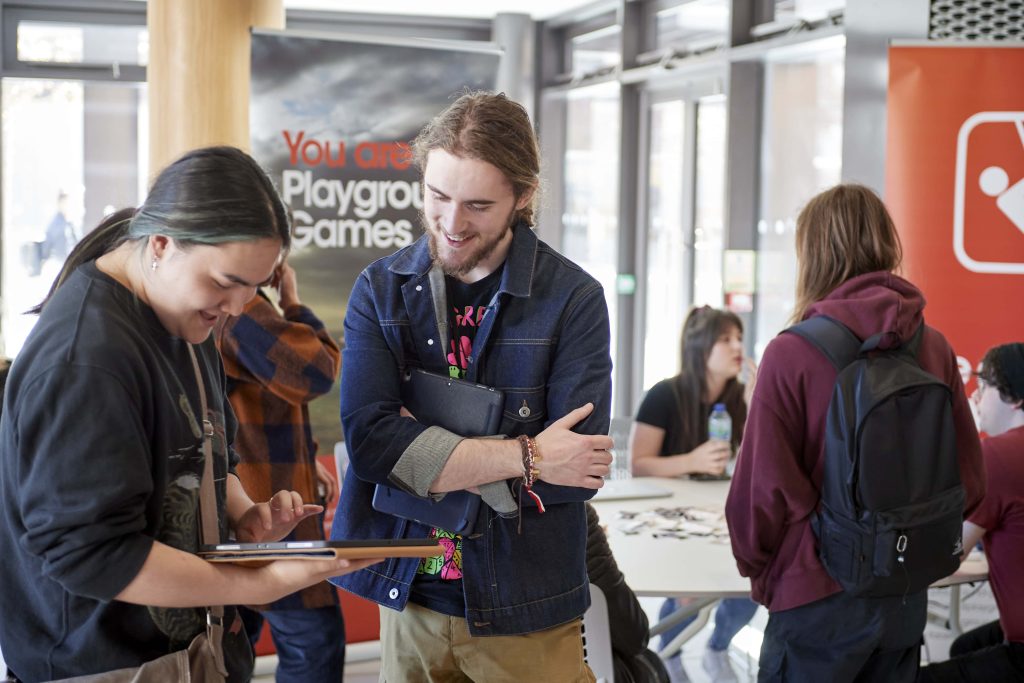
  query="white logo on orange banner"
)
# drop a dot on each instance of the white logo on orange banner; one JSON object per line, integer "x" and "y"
{"x": 996, "y": 184}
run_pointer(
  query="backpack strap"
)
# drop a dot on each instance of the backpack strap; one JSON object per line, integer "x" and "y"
{"x": 832, "y": 338}
{"x": 914, "y": 344}
{"x": 908, "y": 348}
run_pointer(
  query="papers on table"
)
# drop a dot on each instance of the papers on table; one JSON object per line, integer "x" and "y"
{"x": 677, "y": 522}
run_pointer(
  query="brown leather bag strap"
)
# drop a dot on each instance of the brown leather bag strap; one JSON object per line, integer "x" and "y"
{"x": 210, "y": 528}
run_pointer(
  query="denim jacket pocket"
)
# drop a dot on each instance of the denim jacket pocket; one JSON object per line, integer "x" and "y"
{"x": 525, "y": 411}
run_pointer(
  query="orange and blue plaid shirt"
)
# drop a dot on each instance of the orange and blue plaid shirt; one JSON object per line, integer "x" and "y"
{"x": 276, "y": 364}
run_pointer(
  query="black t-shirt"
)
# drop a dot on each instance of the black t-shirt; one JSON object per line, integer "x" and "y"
{"x": 467, "y": 306}
{"x": 438, "y": 584}
{"x": 660, "y": 408}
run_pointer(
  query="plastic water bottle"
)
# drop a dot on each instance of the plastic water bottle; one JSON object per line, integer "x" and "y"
{"x": 720, "y": 424}
{"x": 719, "y": 429}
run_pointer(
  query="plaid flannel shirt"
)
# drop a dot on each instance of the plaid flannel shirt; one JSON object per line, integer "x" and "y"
{"x": 276, "y": 364}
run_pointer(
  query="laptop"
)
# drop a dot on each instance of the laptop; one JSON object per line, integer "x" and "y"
{"x": 625, "y": 489}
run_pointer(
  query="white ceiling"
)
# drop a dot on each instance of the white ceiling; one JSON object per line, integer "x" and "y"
{"x": 538, "y": 9}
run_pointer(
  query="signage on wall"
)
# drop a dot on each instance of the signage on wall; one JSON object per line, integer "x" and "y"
{"x": 992, "y": 199}
{"x": 955, "y": 187}
{"x": 331, "y": 118}
{"x": 739, "y": 279}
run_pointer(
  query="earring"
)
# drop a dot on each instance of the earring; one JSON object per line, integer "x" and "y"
{"x": 153, "y": 264}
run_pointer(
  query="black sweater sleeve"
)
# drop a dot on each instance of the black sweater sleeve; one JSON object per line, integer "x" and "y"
{"x": 629, "y": 629}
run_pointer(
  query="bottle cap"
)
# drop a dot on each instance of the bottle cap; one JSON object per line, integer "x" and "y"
{"x": 719, "y": 406}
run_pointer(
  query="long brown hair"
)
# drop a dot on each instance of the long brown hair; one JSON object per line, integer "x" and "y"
{"x": 843, "y": 232}
{"x": 701, "y": 331}
{"x": 489, "y": 127}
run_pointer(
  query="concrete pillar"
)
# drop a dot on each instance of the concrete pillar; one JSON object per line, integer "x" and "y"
{"x": 870, "y": 26}
{"x": 514, "y": 33}
{"x": 199, "y": 72}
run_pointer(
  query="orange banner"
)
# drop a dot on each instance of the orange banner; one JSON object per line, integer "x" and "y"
{"x": 955, "y": 187}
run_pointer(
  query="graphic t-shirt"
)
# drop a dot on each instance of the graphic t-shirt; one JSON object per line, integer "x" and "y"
{"x": 438, "y": 584}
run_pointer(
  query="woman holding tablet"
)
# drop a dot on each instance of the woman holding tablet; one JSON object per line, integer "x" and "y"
{"x": 102, "y": 436}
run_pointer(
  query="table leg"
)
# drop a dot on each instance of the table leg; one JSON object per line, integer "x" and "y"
{"x": 954, "y": 610}
{"x": 700, "y": 606}
{"x": 950, "y": 618}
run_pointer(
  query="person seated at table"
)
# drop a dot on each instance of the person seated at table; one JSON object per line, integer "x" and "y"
{"x": 633, "y": 662}
{"x": 995, "y": 651}
{"x": 670, "y": 438}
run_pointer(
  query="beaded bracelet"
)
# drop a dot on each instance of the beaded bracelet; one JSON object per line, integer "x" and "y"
{"x": 531, "y": 470}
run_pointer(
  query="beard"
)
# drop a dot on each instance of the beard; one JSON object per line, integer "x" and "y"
{"x": 470, "y": 260}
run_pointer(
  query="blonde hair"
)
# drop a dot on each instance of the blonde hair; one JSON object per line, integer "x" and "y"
{"x": 843, "y": 232}
{"x": 489, "y": 127}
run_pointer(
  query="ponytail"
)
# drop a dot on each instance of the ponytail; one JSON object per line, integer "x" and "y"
{"x": 105, "y": 237}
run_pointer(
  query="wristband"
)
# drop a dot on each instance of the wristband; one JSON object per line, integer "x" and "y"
{"x": 531, "y": 469}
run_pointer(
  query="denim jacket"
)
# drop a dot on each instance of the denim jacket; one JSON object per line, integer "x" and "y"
{"x": 545, "y": 344}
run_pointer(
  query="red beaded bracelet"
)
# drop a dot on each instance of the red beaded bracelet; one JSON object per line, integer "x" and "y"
{"x": 531, "y": 471}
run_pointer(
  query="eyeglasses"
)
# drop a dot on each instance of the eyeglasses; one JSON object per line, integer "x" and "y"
{"x": 983, "y": 385}
{"x": 981, "y": 381}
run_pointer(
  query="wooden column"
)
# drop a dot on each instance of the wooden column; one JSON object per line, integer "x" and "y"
{"x": 198, "y": 74}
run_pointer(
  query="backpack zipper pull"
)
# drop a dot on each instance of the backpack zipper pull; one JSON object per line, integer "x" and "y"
{"x": 901, "y": 547}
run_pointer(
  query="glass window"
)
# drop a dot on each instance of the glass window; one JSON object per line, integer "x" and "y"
{"x": 709, "y": 202}
{"x": 597, "y": 50}
{"x": 590, "y": 222}
{"x": 668, "y": 293}
{"x": 693, "y": 26}
{"x": 806, "y": 10}
{"x": 72, "y": 152}
{"x": 40, "y": 41}
{"x": 801, "y": 155}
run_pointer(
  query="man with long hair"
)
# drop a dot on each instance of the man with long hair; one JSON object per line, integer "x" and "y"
{"x": 479, "y": 297}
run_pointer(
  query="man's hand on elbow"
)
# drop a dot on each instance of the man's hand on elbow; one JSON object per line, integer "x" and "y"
{"x": 571, "y": 459}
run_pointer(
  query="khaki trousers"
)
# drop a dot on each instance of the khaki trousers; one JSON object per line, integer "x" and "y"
{"x": 419, "y": 645}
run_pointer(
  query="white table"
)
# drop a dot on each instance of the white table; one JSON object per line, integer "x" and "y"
{"x": 703, "y": 567}
{"x": 673, "y": 567}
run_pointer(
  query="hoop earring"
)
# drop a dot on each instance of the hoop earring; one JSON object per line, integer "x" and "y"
{"x": 153, "y": 264}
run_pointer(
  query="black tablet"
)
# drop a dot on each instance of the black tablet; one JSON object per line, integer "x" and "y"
{"x": 319, "y": 550}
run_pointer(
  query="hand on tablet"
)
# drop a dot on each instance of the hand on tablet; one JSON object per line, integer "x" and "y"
{"x": 274, "y": 519}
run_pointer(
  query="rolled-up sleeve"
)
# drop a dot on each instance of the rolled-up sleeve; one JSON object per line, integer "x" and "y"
{"x": 377, "y": 435}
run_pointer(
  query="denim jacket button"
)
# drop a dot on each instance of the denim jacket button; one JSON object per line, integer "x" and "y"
{"x": 419, "y": 288}
{"x": 430, "y": 342}
{"x": 524, "y": 411}
{"x": 393, "y": 593}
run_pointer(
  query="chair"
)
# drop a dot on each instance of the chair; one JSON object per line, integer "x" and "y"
{"x": 619, "y": 431}
{"x": 597, "y": 637}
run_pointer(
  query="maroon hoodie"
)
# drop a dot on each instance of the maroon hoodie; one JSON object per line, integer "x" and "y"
{"x": 779, "y": 469}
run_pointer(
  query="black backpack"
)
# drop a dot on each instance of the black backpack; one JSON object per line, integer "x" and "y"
{"x": 891, "y": 513}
